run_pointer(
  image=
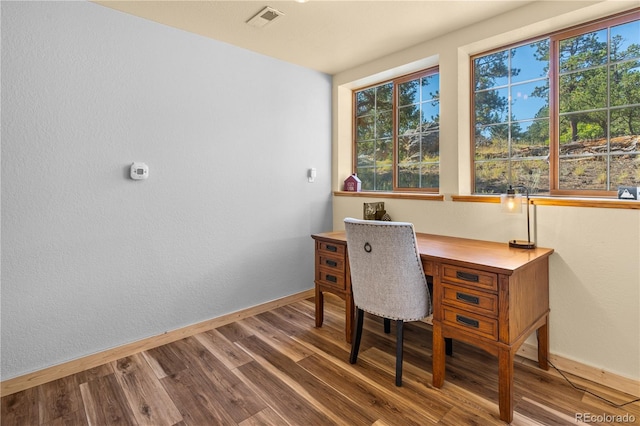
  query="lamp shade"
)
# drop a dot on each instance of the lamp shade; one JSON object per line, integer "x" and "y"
{"x": 511, "y": 203}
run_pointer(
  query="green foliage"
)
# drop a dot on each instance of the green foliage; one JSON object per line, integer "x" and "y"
{"x": 416, "y": 132}
{"x": 599, "y": 106}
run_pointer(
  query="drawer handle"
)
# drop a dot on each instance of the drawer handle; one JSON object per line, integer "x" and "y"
{"x": 467, "y": 321}
{"x": 331, "y": 278}
{"x": 332, "y": 248}
{"x": 331, "y": 263}
{"x": 467, "y": 276}
{"x": 468, "y": 298}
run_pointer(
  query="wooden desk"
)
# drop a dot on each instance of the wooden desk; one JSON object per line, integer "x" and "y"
{"x": 486, "y": 294}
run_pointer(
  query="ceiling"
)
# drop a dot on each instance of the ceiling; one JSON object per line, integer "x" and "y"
{"x": 325, "y": 35}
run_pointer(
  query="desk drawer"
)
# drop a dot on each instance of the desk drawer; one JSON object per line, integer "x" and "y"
{"x": 470, "y": 277}
{"x": 332, "y": 262}
{"x": 478, "y": 324}
{"x": 331, "y": 249}
{"x": 331, "y": 278}
{"x": 475, "y": 301}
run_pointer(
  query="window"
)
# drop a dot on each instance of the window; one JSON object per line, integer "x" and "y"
{"x": 396, "y": 134}
{"x": 560, "y": 115}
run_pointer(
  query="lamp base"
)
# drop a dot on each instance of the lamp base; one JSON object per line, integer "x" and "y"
{"x": 523, "y": 244}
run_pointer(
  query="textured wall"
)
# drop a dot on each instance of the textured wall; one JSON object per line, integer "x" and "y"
{"x": 93, "y": 260}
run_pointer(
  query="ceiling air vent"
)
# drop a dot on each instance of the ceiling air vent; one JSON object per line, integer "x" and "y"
{"x": 266, "y": 15}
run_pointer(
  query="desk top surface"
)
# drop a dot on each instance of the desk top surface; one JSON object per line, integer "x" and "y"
{"x": 490, "y": 255}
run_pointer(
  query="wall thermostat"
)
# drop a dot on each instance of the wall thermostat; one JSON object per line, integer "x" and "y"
{"x": 139, "y": 171}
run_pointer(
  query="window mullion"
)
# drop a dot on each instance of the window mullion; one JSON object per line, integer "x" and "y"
{"x": 394, "y": 114}
{"x": 554, "y": 115}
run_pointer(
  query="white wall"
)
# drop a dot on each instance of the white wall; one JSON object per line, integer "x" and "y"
{"x": 93, "y": 260}
{"x": 595, "y": 270}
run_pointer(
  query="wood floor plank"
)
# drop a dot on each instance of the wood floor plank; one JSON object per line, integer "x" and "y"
{"x": 544, "y": 414}
{"x": 601, "y": 406}
{"x": 196, "y": 398}
{"x": 287, "y": 321}
{"x": 383, "y": 398}
{"x": 74, "y": 418}
{"x": 415, "y": 377}
{"x": 105, "y": 403}
{"x": 149, "y": 401}
{"x": 291, "y": 406}
{"x": 325, "y": 335}
{"x": 222, "y": 348}
{"x": 165, "y": 361}
{"x": 323, "y": 397}
{"x": 20, "y": 408}
{"x": 477, "y": 373}
{"x": 231, "y": 393}
{"x": 307, "y": 309}
{"x": 457, "y": 417}
{"x": 417, "y": 340}
{"x": 532, "y": 377}
{"x": 234, "y": 331}
{"x": 277, "y": 339}
{"x": 155, "y": 366}
{"x": 266, "y": 417}
{"x": 93, "y": 373}
{"x": 59, "y": 398}
{"x": 559, "y": 398}
{"x": 324, "y": 340}
{"x": 386, "y": 361}
{"x": 295, "y": 322}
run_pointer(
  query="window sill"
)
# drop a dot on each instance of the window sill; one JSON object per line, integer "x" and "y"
{"x": 556, "y": 201}
{"x": 396, "y": 195}
{"x": 612, "y": 203}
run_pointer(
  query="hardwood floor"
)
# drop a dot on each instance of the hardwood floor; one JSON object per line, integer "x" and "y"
{"x": 275, "y": 368}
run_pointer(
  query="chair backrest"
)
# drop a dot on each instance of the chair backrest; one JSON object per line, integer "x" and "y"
{"x": 387, "y": 278}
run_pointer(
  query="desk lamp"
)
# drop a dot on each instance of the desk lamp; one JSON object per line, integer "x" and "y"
{"x": 512, "y": 203}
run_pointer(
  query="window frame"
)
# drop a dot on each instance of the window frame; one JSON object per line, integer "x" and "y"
{"x": 396, "y": 81}
{"x": 554, "y": 102}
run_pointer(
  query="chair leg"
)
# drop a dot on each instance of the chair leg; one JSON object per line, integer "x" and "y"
{"x": 357, "y": 335}
{"x": 399, "y": 344}
{"x": 448, "y": 344}
{"x": 387, "y": 325}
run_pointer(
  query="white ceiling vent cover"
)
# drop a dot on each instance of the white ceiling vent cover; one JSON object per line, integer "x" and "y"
{"x": 265, "y": 16}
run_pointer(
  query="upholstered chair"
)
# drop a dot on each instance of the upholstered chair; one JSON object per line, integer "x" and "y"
{"x": 387, "y": 278}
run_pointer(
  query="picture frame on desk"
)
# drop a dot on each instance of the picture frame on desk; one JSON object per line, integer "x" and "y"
{"x": 373, "y": 211}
